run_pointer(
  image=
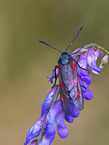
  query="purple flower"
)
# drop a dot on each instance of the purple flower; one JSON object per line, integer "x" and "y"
{"x": 61, "y": 127}
{"x": 87, "y": 59}
{"x": 87, "y": 94}
{"x": 69, "y": 118}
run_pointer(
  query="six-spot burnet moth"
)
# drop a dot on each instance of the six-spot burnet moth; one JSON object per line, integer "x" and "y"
{"x": 70, "y": 87}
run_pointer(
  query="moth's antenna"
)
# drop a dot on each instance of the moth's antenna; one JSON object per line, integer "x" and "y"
{"x": 49, "y": 45}
{"x": 74, "y": 37}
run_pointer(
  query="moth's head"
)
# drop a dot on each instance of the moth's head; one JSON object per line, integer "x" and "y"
{"x": 64, "y": 53}
{"x": 65, "y": 58}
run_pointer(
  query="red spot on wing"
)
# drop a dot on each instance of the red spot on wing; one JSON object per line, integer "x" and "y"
{"x": 62, "y": 85}
{"x": 64, "y": 98}
{"x": 77, "y": 98}
{"x": 73, "y": 65}
{"x": 79, "y": 94}
{"x": 59, "y": 69}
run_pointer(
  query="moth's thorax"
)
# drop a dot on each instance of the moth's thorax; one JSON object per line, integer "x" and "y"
{"x": 64, "y": 59}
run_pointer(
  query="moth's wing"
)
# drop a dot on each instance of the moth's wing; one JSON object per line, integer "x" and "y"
{"x": 76, "y": 92}
{"x": 68, "y": 105}
{"x": 70, "y": 85}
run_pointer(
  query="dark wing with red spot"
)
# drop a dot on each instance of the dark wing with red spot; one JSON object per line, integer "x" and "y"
{"x": 76, "y": 93}
{"x": 70, "y": 85}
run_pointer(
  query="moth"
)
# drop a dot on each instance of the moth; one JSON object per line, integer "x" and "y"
{"x": 70, "y": 87}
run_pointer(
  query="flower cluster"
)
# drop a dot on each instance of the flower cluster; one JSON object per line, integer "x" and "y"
{"x": 52, "y": 113}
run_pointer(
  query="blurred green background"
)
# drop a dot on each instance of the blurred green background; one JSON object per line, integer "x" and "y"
{"x": 25, "y": 63}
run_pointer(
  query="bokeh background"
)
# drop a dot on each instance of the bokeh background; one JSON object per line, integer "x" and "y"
{"x": 25, "y": 63}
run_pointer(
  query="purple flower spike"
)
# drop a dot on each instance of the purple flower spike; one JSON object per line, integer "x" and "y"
{"x": 61, "y": 127}
{"x": 34, "y": 131}
{"x": 88, "y": 94}
{"x": 66, "y": 99}
{"x": 51, "y": 118}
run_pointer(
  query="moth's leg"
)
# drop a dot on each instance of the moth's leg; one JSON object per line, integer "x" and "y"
{"x": 55, "y": 76}
{"x": 83, "y": 87}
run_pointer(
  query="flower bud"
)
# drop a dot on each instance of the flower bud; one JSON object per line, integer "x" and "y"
{"x": 104, "y": 61}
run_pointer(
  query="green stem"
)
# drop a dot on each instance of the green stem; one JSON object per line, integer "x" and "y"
{"x": 97, "y": 46}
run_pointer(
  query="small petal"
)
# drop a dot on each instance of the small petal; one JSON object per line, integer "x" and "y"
{"x": 83, "y": 61}
{"x": 84, "y": 84}
{"x": 95, "y": 70}
{"x": 63, "y": 131}
{"x": 84, "y": 76}
{"x": 88, "y": 94}
{"x": 47, "y": 139}
{"x": 87, "y": 79}
{"x": 34, "y": 131}
{"x": 50, "y": 79}
{"x": 104, "y": 60}
{"x": 53, "y": 75}
{"x": 34, "y": 142}
{"x": 51, "y": 118}
{"x": 47, "y": 102}
{"x": 92, "y": 61}
{"x": 51, "y": 128}
{"x": 69, "y": 118}
{"x": 82, "y": 71}
{"x": 61, "y": 127}
{"x": 98, "y": 53}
